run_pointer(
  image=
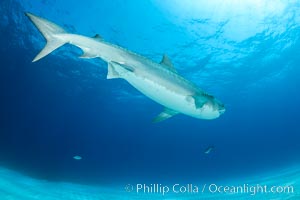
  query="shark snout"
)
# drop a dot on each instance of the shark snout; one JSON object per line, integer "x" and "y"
{"x": 222, "y": 111}
{"x": 221, "y": 108}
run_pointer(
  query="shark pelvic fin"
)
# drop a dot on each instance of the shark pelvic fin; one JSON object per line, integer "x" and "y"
{"x": 167, "y": 62}
{"x": 166, "y": 114}
{"x": 50, "y": 32}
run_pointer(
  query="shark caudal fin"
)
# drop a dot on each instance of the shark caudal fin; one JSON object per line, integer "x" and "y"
{"x": 50, "y": 32}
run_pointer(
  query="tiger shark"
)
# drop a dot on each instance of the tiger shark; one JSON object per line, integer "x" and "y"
{"x": 158, "y": 81}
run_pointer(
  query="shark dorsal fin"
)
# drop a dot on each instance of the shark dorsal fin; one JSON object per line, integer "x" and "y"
{"x": 98, "y": 37}
{"x": 167, "y": 62}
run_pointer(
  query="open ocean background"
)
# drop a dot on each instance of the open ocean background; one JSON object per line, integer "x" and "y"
{"x": 245, "y": 53}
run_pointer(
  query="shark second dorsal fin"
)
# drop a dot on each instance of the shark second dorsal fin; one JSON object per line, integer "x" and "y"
{"x": 167, "y": 62}
{"x": 166, "y": 114}
{"x": 98, "y": 37}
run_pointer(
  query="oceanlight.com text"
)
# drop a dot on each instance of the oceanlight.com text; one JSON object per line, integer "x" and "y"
{"x": 248, "y": 189}
{"x": 208, "y": 188}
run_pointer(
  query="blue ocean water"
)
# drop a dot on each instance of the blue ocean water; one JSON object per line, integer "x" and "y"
{"x": 246, "y": 53}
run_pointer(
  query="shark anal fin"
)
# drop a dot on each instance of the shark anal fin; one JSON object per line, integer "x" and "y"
{"x": 167, "y": 62}
{"x": 166, "y": 114}
{"x": 87, "y": 55}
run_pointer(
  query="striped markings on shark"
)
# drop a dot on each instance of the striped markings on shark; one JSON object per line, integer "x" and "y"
{"x": 158, "y": 81}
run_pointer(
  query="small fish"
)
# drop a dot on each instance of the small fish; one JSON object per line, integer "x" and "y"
{"x": 209, "y": 149}
{"x": 77, "y": 157}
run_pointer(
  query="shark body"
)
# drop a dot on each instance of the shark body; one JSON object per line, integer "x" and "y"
{"x": 158, "y": 81}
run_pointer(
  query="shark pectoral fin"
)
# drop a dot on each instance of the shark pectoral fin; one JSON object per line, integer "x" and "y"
{"x": 166, "y": 114}
{"x": 126, "y": 67}
{"x": 111, "y": 71}
{"x": 196, "y": 100}
{"x": 199, "y": 103}
{"x": 118, "y": 70}
{"x": 167, "y": 62}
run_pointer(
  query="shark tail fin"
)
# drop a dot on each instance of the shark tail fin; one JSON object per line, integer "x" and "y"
{"x": 50, "y": 32}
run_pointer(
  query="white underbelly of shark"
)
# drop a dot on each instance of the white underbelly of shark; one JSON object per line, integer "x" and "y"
{"x": 158, "y": 81}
